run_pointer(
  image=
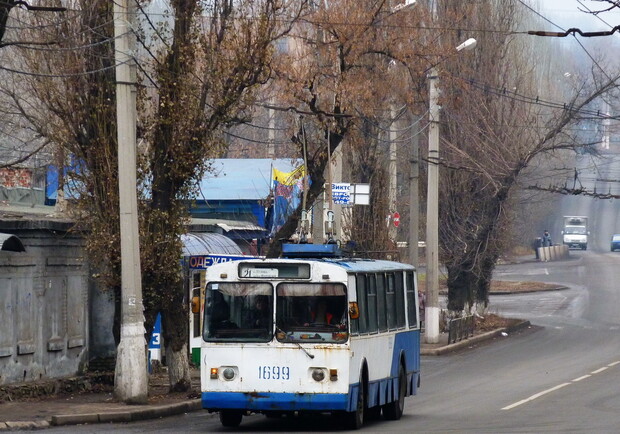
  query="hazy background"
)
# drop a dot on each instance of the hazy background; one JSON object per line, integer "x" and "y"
{"x": 567, "y": 14}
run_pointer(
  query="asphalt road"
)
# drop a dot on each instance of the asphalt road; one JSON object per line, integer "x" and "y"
{"x": 561, "y": 375}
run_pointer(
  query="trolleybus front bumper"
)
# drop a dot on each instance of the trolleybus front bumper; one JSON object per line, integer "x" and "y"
{"x": 265, "y": 401}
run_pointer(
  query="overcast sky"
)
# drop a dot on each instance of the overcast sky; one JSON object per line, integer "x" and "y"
{"x": 567, "y": 14}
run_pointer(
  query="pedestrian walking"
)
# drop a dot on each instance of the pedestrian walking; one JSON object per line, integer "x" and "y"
{"x": 546, "y": 239}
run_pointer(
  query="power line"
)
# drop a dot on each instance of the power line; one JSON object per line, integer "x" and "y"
{"x": 261, "y": 142}
{"x": 77, "y": 74}
{"x": 107, "y": 40}
{"x": 590, "y": 11}
{"x": 571, "y": 31}
{"x": 574, "y": 31}
{"x": 528, "y": 99}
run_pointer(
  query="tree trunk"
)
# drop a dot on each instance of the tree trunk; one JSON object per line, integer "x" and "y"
{"x": 483, "y": 284}
{"x": 459, "y": 287}
{"x": 178, "y": 368}
{"x": 175, "y": 333}
{"x": 5, "y": 8}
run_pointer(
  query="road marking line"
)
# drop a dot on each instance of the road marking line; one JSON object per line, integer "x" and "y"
{"x": 544, "y": 392}
{"x": 581, "y": 378}
{"x": 533, "y": 397}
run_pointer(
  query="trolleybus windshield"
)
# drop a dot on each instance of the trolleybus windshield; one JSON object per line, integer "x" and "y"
{"x": 311, "y": 312}
{"x": 238, "y": 312}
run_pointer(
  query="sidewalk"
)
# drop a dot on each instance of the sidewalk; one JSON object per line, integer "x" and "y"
{"x": 99, "y": 406}
{"x": 442, "y": 347}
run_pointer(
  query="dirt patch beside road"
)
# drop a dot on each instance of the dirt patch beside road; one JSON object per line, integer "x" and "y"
{"x": 506, "y": 286}
{"x": 501, "y": 286}
{"x": 491, "y": 322}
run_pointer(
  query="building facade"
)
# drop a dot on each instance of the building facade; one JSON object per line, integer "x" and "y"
{"x": 44, "y": 291}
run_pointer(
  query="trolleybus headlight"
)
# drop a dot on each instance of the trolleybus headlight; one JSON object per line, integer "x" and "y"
{"x": 229, "y": 373}
{"x": 318, "y": 374}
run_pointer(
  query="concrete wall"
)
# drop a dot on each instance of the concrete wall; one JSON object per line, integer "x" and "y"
{"x": 553, "y": 253}
{"x": 43, "y": 302}
{"x": 102, "y": 348}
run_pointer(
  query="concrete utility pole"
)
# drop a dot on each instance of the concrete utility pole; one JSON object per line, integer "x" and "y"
{"x": 130, "y": 378}
{"x": 432, "y": 207}
{"x": 432, "y": 217}
{"x": 414, "y": 194}
{"x": 271, "y": 150}
{"x": 392, "y": 170}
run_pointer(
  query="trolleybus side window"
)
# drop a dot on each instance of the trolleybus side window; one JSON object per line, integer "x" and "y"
{"x": 390, "y": 299}
{"x": 373, "y": 325}
{"x": 400, "y": 300}
{"x": 381, "y": 305}
{"x": 411, "y": 310}
{"x": 362, "y": 321}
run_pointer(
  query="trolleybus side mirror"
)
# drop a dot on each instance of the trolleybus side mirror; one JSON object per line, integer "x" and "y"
{"x": 354, "y": 311}
{"x": 195, "y": 304}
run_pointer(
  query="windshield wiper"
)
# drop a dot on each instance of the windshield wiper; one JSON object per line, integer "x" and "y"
{"x": 278, "y": 329}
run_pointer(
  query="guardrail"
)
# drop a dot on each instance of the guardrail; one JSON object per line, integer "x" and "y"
{"x": 460, "y": 328}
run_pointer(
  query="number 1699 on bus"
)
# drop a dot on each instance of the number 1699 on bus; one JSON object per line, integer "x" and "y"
{"x": 273, "y": 373}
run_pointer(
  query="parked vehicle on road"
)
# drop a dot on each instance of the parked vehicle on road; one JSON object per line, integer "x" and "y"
{"x": 615, "y": 242}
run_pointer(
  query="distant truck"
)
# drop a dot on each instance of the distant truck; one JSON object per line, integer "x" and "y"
{"x": 575, "y": 232}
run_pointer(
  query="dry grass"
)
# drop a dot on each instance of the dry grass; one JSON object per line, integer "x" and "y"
{"x": 493, "y": 322}
{"x": 501, "y": 286}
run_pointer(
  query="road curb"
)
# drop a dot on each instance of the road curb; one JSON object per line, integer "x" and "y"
{"x": 473, "y": 340}
{"x": 24, "y": 425}
{"x": 529, "y": 291}
{"x": 152, "y": 412}
{"x": 520, "y": 291}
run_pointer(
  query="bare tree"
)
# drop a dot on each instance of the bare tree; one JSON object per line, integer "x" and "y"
{"x": 213, "y": 59}
{"x": 491, "y": 134}
{"x": 201, "y": 70}
{"x": 334, "y": 78}
{"x": 5, "y": 9}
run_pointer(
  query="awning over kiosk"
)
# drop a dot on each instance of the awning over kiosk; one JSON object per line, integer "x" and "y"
{"x": 208, "y": 243}
{"x": 11, "y": 243}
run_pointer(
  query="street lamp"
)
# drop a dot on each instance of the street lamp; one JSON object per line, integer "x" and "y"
{"x": 432, "y": 207}
{"x": 407, "y": 4}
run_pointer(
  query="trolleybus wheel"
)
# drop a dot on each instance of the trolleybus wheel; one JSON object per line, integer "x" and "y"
{"x": 373, "y": 413}
{"x": 355, "y": 419}
{"x": 231, "y": 418}
{"x": 394, "y": 410}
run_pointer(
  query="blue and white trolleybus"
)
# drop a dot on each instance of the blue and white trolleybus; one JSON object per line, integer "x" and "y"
{"x": 300, "y": 334}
